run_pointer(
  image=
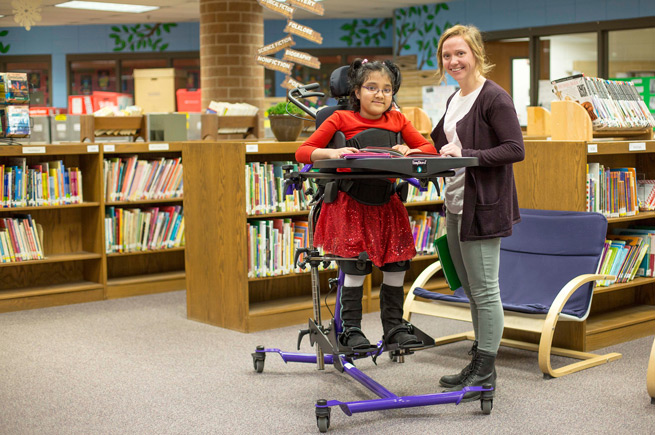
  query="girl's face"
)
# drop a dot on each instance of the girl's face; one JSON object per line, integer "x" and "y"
{"x": 375, "y": 95}
{"x": 458, "y": 59}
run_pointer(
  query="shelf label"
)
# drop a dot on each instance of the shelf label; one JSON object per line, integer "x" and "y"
{"x": 592, "y": 148}
{"x": 38, "y": 127}
{"x": 109, "y": 148}
{"x": 92, "y": 148}
{"x": 33, "y": 150}
{"x": 252, "y": 148}
{"x": 60, "y": 117}
{"x": 61, "y": 127}
{"x": 76, "y": 126}
{"x": 158, "y": 147}
{"x": 637, "y": 146}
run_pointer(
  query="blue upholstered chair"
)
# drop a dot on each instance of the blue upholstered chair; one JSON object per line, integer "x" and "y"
{"x": 547, "y": 274}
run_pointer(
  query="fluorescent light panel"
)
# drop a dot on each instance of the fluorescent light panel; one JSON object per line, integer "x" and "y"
{"x": 107, "y": 7}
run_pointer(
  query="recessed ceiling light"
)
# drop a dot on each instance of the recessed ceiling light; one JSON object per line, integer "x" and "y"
{"x": 108, "y": 7}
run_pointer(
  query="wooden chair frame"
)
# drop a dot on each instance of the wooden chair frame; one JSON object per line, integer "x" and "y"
{"x": 538, "y": 323}
{"x": 650, "y": 377}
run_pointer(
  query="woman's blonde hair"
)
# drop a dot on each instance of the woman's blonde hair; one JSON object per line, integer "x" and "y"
{"x": 473, "y": 38}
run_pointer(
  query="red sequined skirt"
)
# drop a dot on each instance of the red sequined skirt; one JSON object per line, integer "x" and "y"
{"x": 346, "y": 228}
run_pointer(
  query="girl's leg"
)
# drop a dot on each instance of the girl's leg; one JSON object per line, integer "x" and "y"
{"x": 392, "y": 298}
{"x": 351, "y": 312}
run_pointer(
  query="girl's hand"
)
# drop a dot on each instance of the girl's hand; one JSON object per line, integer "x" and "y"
{"x": 401, "y": 149}
{"x": 330, "y": 153}
{"x": 339, "y": 152}
{"x": 451, "y": 150}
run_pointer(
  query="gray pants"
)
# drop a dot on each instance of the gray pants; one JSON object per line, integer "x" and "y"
{"x": 476, "y": 263}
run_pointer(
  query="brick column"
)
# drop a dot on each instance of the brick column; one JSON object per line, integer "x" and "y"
{"x": 231, "y": 31}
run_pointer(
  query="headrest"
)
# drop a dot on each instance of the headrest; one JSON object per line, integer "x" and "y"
{"x": 339, "y": 86}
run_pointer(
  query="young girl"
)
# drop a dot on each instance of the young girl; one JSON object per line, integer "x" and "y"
{"x": 367, "y": 218}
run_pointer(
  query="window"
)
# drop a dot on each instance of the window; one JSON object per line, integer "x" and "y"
{"x": 38, "y": 70}
{"x": 101, "y": 72}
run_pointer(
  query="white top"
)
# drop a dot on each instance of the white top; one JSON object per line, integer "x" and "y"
{"x": 457, "y": 109}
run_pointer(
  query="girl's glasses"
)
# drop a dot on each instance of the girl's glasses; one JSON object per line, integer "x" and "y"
{"x": 375, "y": 90}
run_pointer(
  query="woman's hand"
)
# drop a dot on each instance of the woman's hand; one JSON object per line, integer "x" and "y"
{"x": 451, "y": 150}
{"x": 404, "y": 149}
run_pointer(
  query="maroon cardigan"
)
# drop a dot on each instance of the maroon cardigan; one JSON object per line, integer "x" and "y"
{"x": 490, "y": 132}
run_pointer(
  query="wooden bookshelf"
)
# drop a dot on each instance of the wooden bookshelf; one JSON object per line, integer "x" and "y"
{"x": 218, "y": 289}
{"x": 75, "y": 268}
{"x": 553, "y": 176}
{"x": 210, "y": 123}
{"x": 151, "y": 271}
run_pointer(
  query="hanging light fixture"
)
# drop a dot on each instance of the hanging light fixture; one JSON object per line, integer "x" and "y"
{"x": 27, "y": 12}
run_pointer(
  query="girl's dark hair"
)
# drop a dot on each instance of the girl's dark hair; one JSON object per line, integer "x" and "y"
{"x": 359, "y": 72}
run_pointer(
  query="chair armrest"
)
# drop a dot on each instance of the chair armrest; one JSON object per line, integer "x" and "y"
{"x": 545, "y": 344}
{"x": 650, "y": 377}
{"x": 420, "y": 281}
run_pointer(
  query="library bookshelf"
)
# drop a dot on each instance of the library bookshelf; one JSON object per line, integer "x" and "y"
{"x": 76, "y": 268}
{"x": 553, "y": 176}
{"x": 219, "y": 291}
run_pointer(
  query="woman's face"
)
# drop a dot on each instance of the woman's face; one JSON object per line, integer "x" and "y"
{"x": 458, "y": 59}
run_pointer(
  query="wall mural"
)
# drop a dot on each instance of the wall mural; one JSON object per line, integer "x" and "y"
{"x": 4, "y": 48}
{"x": 418, "y": 32}
{"x": 140, "y": 36}
{"x": 364, "y": 32}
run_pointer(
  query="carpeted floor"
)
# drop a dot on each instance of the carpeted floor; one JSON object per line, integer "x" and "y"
{"x": 137, "y": 365}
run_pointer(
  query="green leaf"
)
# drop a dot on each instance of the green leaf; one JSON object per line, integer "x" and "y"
{"x": 158, "y": 31}
{"x": 367, "y": 40}
{"x": 430, "y": 17}
{"x": 420, "y": 44}
{"x": 4, "y": 48}
{"x": 430, "y": 62}
{"x": 377, "y": 41}
{"x": 420, "y": 32}
{"x": 163, "y": 47}
{"x": 359, "y": 43}
{"x": 347, "y": 39}
{"x": 113, "y": 35}
{"x": 125, "y": 29}
{"x": 398, "y": 33}
{"x": 374, "y": 21}
{"x": 435, "y": 41}
{"x": 403, "y": 12}
{"x": 387, "y": 24}
{"x": 140, "y": 35}
{"x": 165, "y": 27}
{"x": 407, "y": 46}
{"x": 413, "y": 10}
{"x": 116, "y": 29}
{"x": 346, "y": 27}
{"x": 425, "y": 8}
{"x": 363, "y": 31}
{"x": 132, "y": 46}
{"x": 130, "y": 38}
{"x": 445, "y": 6}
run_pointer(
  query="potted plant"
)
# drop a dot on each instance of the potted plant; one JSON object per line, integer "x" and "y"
{"x": 285, "y": 127}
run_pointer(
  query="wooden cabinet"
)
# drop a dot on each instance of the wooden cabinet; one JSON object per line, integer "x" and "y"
{"x": 553, "y": 176}
{"x": 76, "y": 267}
{"x": 218, "y": 289}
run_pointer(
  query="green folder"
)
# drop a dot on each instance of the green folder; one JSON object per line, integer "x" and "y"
{"x": 447, "y": 263}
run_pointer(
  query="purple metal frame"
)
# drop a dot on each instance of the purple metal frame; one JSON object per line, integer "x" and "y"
{"x": 387, "y": 400}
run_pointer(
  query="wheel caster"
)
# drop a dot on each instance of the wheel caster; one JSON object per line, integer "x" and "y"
{"x": 486, "y": 405}
{"x": 258, "y": 359}
{"x": 323, "y": 424}
{"x": 322, "y": 415}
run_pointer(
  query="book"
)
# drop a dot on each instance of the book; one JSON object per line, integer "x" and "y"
{"x": 447, "y": 264}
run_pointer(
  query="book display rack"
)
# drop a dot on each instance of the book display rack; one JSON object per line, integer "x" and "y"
{"x": 75, "y": 267}
{"x": 112, "y": 126}
{"x": 553, "y": 176}
{"x": 219, "y": 291}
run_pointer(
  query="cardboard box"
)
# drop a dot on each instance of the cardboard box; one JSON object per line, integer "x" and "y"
{"x": 154, "y": 89}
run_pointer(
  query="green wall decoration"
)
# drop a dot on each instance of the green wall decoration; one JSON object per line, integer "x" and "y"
{"x": 417, "y": 24}
{"x": 4, "y": 48}
{"x": 140, "y": 36}
{"x": 364, "y": 32}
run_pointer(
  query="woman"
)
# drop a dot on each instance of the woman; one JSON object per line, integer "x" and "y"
{"x": 481, "y": 202}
